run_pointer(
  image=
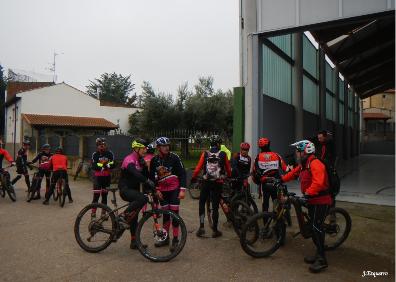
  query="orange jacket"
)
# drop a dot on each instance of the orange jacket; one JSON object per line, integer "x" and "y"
{"x": 58, "y": 162}
{"x": 313, "y": 180}
{"x": 6, "y": 155}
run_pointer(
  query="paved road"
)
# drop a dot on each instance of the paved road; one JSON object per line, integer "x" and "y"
{"x": 37, "y": 244}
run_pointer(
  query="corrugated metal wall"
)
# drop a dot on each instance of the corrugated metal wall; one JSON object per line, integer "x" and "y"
{"x": 276, "y": 81}
{"x": 310, "y": 95}
{"x": 310, "y": 57}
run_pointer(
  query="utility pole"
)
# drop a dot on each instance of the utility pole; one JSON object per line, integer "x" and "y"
{"x": 53, "y": 66}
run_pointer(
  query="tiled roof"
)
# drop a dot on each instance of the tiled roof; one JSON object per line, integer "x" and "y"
{"x": 113, "y": 104}
{"x": 375, "y": 116}
{"x": 14, "y": 87}
{"x": 68, "y": 121}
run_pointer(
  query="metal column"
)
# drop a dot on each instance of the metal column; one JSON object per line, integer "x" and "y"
{"x": 322, "y": 89}
{"x": 297, "y": 98}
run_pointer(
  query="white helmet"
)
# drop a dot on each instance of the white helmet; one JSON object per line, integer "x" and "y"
{"x": 305, "y": 146}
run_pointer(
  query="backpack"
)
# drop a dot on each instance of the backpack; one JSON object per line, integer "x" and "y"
{"x": 213, "y": 165}
{"x": 334, "y": 179}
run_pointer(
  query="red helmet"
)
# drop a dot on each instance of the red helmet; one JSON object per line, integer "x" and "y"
{"x": 245, "y": 146}
{"x": 263, "y": 142}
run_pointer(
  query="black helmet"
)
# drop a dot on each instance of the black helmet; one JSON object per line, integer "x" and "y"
{"x": 59, "y": 150}
{"x": 99, "y": 141}
{"x": 215, "y": 140}
{"x": 45, "y": 146}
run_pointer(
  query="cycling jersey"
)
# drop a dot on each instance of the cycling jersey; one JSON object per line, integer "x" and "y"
{"x": 133, "y": 171}
{"x": 100, "y": 160}
{"x": 168, "y": 172}
{"x": 21, "y": 161}
{"x": 43, "y": 159}
{"x": 268, "y": 164}
{"x": 6, "y": 155}
{"x": 241, "y": 166}
{"x": 58, "y": 162}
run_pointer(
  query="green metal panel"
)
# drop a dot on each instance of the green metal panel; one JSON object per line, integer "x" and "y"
{"x": 276, "y": 80}
{"x": 284, "y": 42}
{"x": 341, "y": 89}
{"x": 238, "y": 134}
{"x": 330, "y": 78}
{"x": 341, "y": 113}
{"x": 329, "y": 106}
{"x": 350, "y": 118}
{"x": 310, "y": 57}
{"x": 310, "y": 99}
{"x": 350, "y": 97}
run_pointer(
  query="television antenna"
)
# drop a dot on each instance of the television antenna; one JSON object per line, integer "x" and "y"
{"x": 53, "y": 66}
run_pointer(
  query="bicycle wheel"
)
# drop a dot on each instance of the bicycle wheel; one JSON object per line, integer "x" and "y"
{"x": 150, "y": 231}
{"x": 2, "y": 192}
{"x": 194, "y": 190}
{"x": 337, "y": 226}
{"x": 11, "y": 192}
{"x": 241, "y": 213}
{"x": 61, "y": 192}
{"x": 55, "y": 194}
{"x": 33, "y": 188}
{"x": 94, "y": 235}
{"x": 261, "y": 236}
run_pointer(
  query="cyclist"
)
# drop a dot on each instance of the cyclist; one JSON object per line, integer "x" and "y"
{"x": 315, "y": 187}
{"x": 267, "y": 165}
{"x": 58, "y": 163}
{"x": 150, "y": 154}
{"x": 215, "y": 165}
{"x": 167, "y": 171}
{"x": 22, "y": 164}
{"x": 4, "y": 154}
{"x": 241, "y": 164}
{"x": 133, "y": 173}
{"x": 102, "y": 163}
{"x": 44, "y": 169}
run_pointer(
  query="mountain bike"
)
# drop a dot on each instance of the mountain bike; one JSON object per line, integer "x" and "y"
{"x": 84, "y": 165}
{"x": 60, "y": 191}
{"x": 265, "y": 232}
{"x": 234, "y": 207}
{"x": 6, "y": 186}
{"x": 94, "y": 235}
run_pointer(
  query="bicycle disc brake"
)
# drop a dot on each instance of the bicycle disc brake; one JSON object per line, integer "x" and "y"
{"x": 160, "y": 235}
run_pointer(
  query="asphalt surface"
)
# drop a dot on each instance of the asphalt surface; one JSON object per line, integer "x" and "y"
{"x": 37, "y": 244}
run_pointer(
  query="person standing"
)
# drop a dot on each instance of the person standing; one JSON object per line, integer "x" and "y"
{"x": 22, "y": 164}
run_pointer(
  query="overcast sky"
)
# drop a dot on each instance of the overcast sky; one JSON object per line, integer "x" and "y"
{"x": 163, "y": 42}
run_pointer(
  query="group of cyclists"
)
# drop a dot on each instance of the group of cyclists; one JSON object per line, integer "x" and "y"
{"x": 51, "y": 166}
{"x": 154, "y": 167}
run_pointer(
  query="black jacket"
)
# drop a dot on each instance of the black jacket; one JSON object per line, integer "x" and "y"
{"x": 173, "y": 164}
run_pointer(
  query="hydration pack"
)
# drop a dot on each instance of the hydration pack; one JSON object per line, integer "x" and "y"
{"x": 213, "y": 165}
{"x": 334, "y": 179}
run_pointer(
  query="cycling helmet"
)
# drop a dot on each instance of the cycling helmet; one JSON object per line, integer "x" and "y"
{"x": 305, "y": 146}
{"x": 263, "y": 142}
{"x": 245, "y": 146}
{"x": 150, "y": 148}
{"x": 59, "y": 150}
{"x": 215, "y": 139}
{"x": 139, "y": 143}
{"x": 45, "y": 146}
{"x": 161, "y": 141}
{"x": 100, "y": 141}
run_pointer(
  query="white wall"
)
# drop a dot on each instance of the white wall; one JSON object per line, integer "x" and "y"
{"x": 64, "y": 100}
{"x": 10, "y": 124}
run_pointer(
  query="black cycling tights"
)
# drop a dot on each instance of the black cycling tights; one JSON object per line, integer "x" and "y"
{"x": 212, "y": 190}
{"x": 317, "y": 215}
{"x": 136, "y": 201}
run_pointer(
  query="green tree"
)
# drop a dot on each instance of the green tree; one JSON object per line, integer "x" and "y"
{"x": 113, "y": 87}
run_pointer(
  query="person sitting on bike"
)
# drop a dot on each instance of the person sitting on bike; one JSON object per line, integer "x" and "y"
{"x": 133, "y": 173}
{"x": 315, "y": 187}
{"x": 150, "y": 154}
{"x": 167, "y": 171}
{"x": 22, "y": 164}
{"x": 44, "y": 169}
{"x": 241, "y": 165}
{"x": 215, "y": 165}
{"x": 102, "y": 163}
{"x": 4, "y": 154}
{"x": 58, "y": 163}
{"x": 267, "y": 165}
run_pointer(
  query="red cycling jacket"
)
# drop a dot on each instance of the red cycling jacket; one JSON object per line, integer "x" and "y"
{"x": 313, "y": 180}
{"x": 58, "y": 162}
{"x": 268, "y": 164}
{"x": 6, "y": 155}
